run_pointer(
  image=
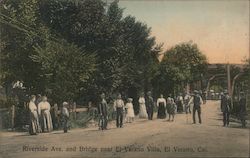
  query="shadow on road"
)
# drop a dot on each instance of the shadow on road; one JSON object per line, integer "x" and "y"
{"x": 231, "y": 126}
{"x": 25, "y": 135}
{"x": 61, "y": 132}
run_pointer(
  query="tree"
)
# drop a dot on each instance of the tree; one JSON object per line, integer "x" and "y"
{"x": 20, "y": 31}
{"x": 23, "y": 33}
{"x": 125, "y": 52}
{"x": 79, "y": 22}
{"x": 123, "y": 45}
{"x": 65, "y": 69}
{"x": 182, "y": 64}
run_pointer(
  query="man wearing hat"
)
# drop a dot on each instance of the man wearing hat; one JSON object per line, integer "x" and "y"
{"x": 119, "y": 108}
{"x": 226, "y": 107}
{"x": 197, "y": 101}
{"x": 150, "y": 105}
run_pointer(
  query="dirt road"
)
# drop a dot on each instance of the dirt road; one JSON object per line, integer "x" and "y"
{"x": 143, "y": 138}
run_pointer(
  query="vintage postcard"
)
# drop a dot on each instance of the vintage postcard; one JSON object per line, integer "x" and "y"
{"x": 124, "y": 78}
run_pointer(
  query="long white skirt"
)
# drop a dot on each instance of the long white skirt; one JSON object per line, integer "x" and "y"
{"x": 34, "y": 127}
{"x": 130, "y": 112}
{"x": 47, "y": 125}
{"x": 143, "y": 112}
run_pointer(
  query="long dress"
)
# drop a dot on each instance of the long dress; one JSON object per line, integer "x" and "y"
{"x": 186, "y": 103}
{"x": 34, "y": 127}
{"x": 44, "y": 112}
{"x": 130, "y": 110}
{"x": 161, "y": 104}
{"x": 179, "y": 103}
{"x": 243, "y": 111}
{"x": 143, "y": 112}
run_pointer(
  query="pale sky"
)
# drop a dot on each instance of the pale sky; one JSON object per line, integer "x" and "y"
{"x": 219, "y": 27}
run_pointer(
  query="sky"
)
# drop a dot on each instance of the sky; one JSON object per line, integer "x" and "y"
{"x": 220, "y": 28}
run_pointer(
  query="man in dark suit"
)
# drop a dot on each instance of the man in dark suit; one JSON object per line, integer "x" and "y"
{"x": 103, "y": 112}
{"x": 243, "y": 109}
{"x": 150, "y": 105}
{"x": 226, "y": 107}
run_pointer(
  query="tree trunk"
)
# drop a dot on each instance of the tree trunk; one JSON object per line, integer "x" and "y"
{"x": 12, "y": 117}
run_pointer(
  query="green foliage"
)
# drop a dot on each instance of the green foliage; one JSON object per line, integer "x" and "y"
{"x": 20, "y": 31}
{"x": 217, "y": 88}
{"x": 183, "y": 63}
{"x": 245, "y": 79}
{"x": 64, "y": 69}
{"x": 188, "y": 59}
{"x": 76, "y": 49}
{"x": 117, "y": 53}
{"x": 80, "y": 22}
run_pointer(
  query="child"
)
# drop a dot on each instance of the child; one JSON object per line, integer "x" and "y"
{"x": 130, "y": 111}
{"x": 172, "y": 110}
{"x": 65, "y": 116}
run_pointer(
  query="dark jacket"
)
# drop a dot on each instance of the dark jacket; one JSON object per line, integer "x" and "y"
{"x": 243, "y": 107}
{"x": 103, "y": 108}
{"x": 197, "y": 101}
{"x": 149, "y": 102}
{"x": 226, "y": 104}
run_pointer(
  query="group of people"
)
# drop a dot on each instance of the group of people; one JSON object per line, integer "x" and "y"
{"x": 41, "y": 119}
{"x": 40, "y": 116}
{"x": 146, "y": 108}
{"x": 166, "y": 107}
{"x": 226, "y": 108}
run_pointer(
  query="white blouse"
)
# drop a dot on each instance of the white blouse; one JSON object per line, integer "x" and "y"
{"x": 141, "y": 100}
{"x": 169, "y": 100}
{"x": 43, "y": 106}
{"x": 161, "y": 100}
{"x": 32, "y": 106}
{"x": 129, "y": 106}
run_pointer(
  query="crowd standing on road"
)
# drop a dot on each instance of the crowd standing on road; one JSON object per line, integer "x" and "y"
{"x": 147, "y": 106}
{"x": 43, "y": 118}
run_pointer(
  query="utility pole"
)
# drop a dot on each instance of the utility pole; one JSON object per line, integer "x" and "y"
{"x": 107, "y": 4}
{"x": 228, "y": 79}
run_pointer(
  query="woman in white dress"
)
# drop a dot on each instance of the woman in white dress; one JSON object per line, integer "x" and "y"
{"x": 34, "y": 126}
{"x": 143, "y": 111}
{"x": 44, "y": 113}
{"x": 130, "y": 111}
